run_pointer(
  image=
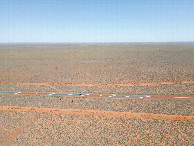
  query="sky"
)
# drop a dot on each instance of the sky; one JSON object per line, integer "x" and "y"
{"x": 96, "y": 21}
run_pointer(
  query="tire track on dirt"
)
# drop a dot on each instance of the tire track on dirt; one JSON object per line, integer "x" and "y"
{"x": 10, "y": 136}
{"x": 99, "y": 85}
{"x": 98, "y": 113}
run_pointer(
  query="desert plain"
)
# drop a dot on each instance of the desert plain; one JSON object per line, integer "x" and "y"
{"x": 79, "y": 70}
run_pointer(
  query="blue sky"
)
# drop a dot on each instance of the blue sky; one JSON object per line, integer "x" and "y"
{"x": 96, "y": 20}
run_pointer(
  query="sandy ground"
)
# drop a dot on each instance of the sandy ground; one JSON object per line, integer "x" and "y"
{"x": 125, "y": 69}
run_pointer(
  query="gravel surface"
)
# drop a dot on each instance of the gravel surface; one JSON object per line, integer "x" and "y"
{"x": 162, "y": 90}
{"x": 116, "y": 63}
{"x": 96, "y": 64}
{"x": 51, "y": 129}
{"x": 170, "y": 107}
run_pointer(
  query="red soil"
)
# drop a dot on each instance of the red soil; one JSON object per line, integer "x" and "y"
{"x": 98, "y": 113}
{"x": 99, "y": 85}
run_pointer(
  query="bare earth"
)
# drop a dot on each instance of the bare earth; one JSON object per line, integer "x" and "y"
{"x": 162, "y": 69}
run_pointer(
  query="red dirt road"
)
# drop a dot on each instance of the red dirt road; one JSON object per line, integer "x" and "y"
{"x": 98, "y": 113}
{"x": 99, "y": 85}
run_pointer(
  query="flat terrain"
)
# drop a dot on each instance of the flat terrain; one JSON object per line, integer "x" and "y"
{"x": 137, "y": 69}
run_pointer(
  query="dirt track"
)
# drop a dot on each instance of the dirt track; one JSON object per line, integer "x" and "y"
{"x": 101, "y": 85}
{"x": 98, "y": 113}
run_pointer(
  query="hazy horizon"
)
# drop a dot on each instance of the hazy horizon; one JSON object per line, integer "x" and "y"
{"x": 66, "y": 43}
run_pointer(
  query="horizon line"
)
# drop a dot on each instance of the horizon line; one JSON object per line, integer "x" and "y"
{"x": 94, "y": 42}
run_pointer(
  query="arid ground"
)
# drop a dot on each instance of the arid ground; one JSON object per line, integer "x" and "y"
{"x": 142, "y": 69}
